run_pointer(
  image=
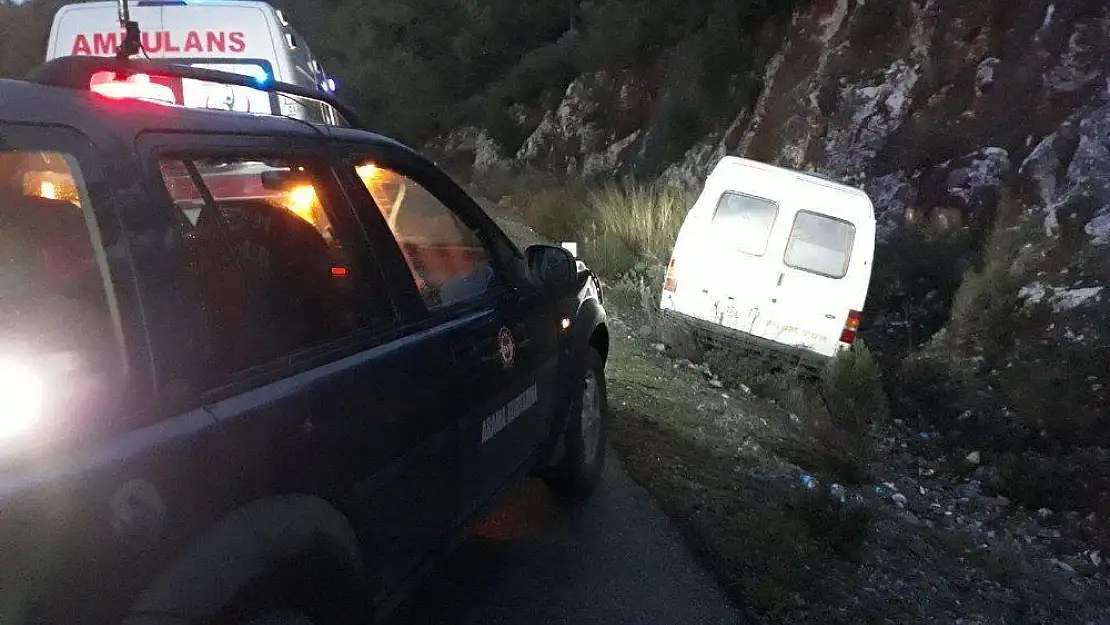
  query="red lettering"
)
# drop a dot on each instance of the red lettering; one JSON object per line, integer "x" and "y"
{"x": 81, "y": 46}
{"x": 217, "y": 42}
{"x": 169, "y": 47}
{"x": 192, "y": 42}
{"x": 152, "y": 44}
{"x": 104, "y": 44}
{"x": 238, "y": 42}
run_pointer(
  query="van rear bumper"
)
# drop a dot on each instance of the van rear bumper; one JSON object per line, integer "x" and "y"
{"x": 718, "y": 336}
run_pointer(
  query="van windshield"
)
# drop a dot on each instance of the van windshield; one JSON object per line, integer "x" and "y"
{"x": 820, "y": 244}
{"x": 745, "y": 221}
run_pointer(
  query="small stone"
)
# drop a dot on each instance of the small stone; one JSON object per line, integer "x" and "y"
{"x": 973, "y": 458}
{"x": 899, "y": 499}
{"x": 899, "y": 422}
{"x": 1044, "y": 513}
{"x": 890, "y": 485}
{"x": 1063, "y": 566}
{"x": 1049, "y": 534}
{"x": 715, "y": 383}
{"x": 1096, "y": 558}
{"x": 659, "y": 347}
{"x": 744, "y": 387}
{"x": 645, "y": 330}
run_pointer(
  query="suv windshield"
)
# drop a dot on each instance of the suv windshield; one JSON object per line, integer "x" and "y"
{"x": 56, "y": 328}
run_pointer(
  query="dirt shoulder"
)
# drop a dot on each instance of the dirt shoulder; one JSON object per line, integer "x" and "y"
{"x": 921, "y": 544}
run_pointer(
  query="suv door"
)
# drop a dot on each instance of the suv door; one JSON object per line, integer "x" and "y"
{"x": 464, "y": 273}
{"x": 296, "y": 349}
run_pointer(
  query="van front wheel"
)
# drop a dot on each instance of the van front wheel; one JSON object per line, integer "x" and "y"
{"x": 580, "y": 468}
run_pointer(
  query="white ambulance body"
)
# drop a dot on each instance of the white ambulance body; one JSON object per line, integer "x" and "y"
{"x": 774, "y": 258}
{"x": 240, "y": 36}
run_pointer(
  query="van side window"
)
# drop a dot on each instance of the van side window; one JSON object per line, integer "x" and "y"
{"x": 745, "y": 221}
{"x": 820, "y": 244}
{"x": 447, "y": 258}
{"x": 271, "y": 276}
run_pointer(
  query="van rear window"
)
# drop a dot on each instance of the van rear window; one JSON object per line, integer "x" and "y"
{"x": 745, "y": 221}
{"x": 820, "y": 244}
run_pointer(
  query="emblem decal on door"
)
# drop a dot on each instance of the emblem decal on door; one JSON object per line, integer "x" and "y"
{"x": 508, "y": 413}
{"x": 506, "y": 347}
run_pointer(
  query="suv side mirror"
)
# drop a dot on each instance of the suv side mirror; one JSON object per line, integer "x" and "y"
{"x": 554, "y": 268}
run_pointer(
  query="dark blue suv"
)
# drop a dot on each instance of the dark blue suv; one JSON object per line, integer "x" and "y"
{"x": 257, "y": 370}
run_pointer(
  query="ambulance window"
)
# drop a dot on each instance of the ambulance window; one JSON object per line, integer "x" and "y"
{"x": 820, "y": 244}
{"x": 447, "y": 258}
{"x": 745, "y": 221}
{"x": 270, "y": 273}
{"x": 59, "y": 325}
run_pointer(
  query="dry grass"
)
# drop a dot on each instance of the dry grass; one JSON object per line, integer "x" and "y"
{"x": 635, "y": 227}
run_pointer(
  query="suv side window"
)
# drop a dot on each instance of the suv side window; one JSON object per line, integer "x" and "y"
{"x": 448, "y": 260}
{"x": 60, "y": 333}
{"x": 271, "y": 274}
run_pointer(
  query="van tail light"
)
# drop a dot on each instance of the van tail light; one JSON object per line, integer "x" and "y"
{"x": 670, "y": 282}
{"x": 851, "y": 327}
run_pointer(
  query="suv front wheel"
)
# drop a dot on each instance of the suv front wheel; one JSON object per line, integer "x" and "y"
{"x": 578, "y": 472}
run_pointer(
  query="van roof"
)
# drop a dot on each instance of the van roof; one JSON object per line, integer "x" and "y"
{"x": 729, "y": 162}
{"x": 111, "y": 4}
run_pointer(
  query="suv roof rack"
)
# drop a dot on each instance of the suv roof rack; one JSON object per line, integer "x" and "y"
{"x": 76, "y": 72}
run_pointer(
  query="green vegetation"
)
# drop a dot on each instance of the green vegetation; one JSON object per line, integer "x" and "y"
{"x": 417, "y": 68}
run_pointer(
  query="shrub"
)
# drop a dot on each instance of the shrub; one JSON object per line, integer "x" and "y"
{"x": 931, "y": 390}
{"x": 634, "y": 225}
{"x": 853, "y": 390}
{"x": 557, "y": 209}
{"x": 987, "y": 303}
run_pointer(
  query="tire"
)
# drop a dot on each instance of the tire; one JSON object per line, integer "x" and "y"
{"x": 579, "y": 470}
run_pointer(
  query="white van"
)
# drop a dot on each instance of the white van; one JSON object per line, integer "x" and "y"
{"x": 240, "y": 36}
{"x": 773, "y": 259}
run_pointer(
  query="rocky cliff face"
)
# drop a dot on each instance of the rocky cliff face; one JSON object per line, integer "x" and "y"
{"x": 935, "y": 107}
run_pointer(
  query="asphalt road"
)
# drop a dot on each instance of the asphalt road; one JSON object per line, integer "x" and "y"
{"x": 612, "y": 559}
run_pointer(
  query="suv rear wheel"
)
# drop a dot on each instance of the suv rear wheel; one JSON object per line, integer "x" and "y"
{"x": 580, "y": 468}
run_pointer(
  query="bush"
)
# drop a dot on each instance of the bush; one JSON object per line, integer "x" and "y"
{"x": 931, "y": 390}
{"x": 986, "y": 305}
{"x": 633, "y": 226}
{"x": 853, "y": 390}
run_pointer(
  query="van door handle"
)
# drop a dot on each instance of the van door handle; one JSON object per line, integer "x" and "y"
{"x": 781, "y": 275}
{"x": 828, "y": 316}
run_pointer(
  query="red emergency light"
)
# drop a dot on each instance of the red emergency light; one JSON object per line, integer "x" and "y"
{"x": 135, "y": 86}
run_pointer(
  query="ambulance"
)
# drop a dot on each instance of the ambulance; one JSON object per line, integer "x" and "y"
{"x": 241, "y": 36}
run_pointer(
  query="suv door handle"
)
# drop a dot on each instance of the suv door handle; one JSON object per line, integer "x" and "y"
{"x": 781, "y": 275}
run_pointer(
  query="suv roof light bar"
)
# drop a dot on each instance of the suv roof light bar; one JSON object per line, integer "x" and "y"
{"x": 76, "y": 72}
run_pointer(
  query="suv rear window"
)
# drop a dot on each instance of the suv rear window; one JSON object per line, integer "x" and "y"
{"x": 820, "y": 244}
{"x": 745, "y": 221}
{"x": 57, "y": 325}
